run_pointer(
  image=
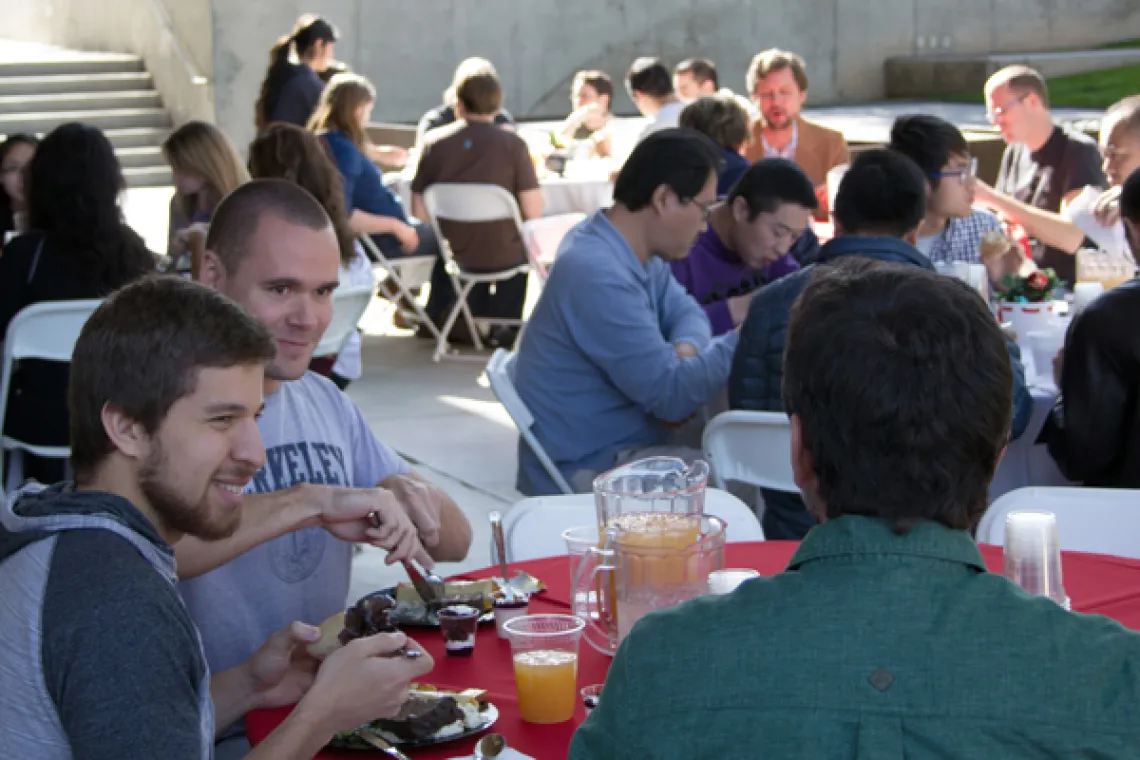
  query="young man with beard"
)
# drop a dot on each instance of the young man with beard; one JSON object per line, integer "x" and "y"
{"x": 778, "y": 84}
{"x": 103, "y": 660}
{"x": 272, "y": 248}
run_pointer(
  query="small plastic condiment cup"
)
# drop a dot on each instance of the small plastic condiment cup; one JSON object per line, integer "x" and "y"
{"x": 458, "y": 624}
{"x": 508, "y": 609}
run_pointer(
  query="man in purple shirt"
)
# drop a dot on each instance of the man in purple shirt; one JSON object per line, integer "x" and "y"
{"x": 760, "y": 233}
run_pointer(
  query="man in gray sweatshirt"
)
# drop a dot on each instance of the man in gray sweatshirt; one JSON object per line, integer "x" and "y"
{"x": 102, "y": 659}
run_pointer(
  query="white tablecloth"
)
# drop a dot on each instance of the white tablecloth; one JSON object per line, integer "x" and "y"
{"x": 1026, "y": 462}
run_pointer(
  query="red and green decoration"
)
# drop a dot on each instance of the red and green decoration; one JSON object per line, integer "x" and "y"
{"x": 1033, "y": 288}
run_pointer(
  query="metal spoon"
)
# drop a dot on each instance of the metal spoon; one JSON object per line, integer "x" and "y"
{"x": 500, "y": 546}
{"x": 490, "y": 746}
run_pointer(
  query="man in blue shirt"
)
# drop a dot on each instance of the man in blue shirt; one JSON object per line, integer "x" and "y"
{"x": 616, "y": 350}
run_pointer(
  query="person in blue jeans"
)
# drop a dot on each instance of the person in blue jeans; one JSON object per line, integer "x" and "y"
{"x": 877, "y": 211}
{"x": 373, "y": 208}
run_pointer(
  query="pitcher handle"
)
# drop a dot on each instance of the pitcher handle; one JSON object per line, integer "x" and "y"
{"x": 600, "y": 632}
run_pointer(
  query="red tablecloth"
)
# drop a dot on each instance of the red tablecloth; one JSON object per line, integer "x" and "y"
{"x": 1096, "y": 583}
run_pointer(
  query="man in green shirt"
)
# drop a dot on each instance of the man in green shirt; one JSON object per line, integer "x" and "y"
{"x": 885, "y": 637}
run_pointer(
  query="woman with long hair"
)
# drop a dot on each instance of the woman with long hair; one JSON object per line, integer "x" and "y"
{"x": 206, "y": 168}
{"x": 373, "y": 208}
{"x": 79, "y": 247}
{"x": 15, "y": 154}
{"x": 287, "y": 152}
{"x": 293, "y": 82}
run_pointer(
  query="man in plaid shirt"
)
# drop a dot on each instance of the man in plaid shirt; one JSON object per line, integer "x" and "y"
{"x": 953, "y": 229}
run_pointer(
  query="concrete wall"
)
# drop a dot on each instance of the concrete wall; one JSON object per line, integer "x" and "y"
{"x": 181, "y": 64}
{"x": 409, "y": 49}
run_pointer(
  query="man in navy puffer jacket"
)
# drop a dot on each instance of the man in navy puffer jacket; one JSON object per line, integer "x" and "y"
{"x": 880, "y": 202}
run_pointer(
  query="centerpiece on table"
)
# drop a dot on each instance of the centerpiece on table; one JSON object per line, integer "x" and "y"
{"x": 1026, "y": 301}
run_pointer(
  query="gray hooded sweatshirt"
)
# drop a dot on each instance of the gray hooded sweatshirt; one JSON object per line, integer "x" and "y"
{"x": 101, "y": 659}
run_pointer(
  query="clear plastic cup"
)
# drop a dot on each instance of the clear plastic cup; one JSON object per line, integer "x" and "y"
{"x": 544, "y": 650}
{"x": 578, "y": 540}
{"x": 1033, "y": 554}
{"x": 726, "y": 581}
{"x": 459, "y": 624}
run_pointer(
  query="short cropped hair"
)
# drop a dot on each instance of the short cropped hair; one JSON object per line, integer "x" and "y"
{"x": 1022, "y": 80}
{"x": 883, "y": 193}
{"x": 480, "y": 93}
{"x": 928, "y": 141}
{"x": 599, "y": 80}
{"x": 140, "y": 352}
{"x": 772, "y": 182}
{"x": 720, "y": 117}
{"x": 678, "y": 158}
{"x": 238, "y": 215}
{"x": 902, "y": 384}
{"x": 700, "y": 69}
{"x": 649, "y": 77}
{"x": 774, "y": 59}
{"x": 1127, "y": 111}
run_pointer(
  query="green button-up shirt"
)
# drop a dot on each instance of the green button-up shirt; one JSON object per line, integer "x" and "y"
{"x": 871, "y": 645}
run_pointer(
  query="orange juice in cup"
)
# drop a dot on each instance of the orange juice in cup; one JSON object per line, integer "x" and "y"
{"x": 544, "y": 649}
{"x": 547, "y": 683}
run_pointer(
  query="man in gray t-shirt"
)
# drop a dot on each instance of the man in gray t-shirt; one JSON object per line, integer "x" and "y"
{"x": 325, "y": 475}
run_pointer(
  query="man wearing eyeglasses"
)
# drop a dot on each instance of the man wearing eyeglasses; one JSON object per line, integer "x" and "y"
{"x": 952, "y": 229}
{"x": 1044, "y": 163}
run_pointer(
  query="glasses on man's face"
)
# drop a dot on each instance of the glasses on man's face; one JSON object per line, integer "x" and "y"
{"x": 1112, "y": 153}
{"x": 998, "y": 111}
{"x": 707, "y": 209}
{"x": 964, "y": 175}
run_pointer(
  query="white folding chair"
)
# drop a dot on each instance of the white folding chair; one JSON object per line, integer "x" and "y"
{"x": 501, "y": 371}
{"x": 46, "y": 331}
{"x": 544, "y": 236}
{"x": 349, "y": 305}
{"x": 532, "y": 528}
{"x": 468, "y": 203}
{"x": 406, "y": 274}
{"x": 752, "y": 447}
{"x": 1100, "y": 520}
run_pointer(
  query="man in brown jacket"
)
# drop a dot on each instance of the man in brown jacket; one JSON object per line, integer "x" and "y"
{"x": 778, "y": 84}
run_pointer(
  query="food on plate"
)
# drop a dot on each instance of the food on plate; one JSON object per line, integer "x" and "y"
{"x": 421, "y": 716}
{"x": 429, "y": 716}
{"x": 372, "y": 614}
{"x": 476, "y": 594}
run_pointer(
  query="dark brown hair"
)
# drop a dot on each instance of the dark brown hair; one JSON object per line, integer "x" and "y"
{"x": 140, "y": 351}
{"x": 701, "y": 69}
{"x": 308, "y": 30}
{"x": 902, "y": 384}
{"x": 480, "y": 93}
{"x": 599, "y": 80}
{"x": 721, "y": 117}
{"x": 774, "y": 59}
{"x": 237, "y": 217}
{"x": 286, "y": 151}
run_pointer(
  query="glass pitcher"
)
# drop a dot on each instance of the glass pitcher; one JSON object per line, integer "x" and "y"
{"x": 653, "y": 560}
{"x": 657, "y": 484}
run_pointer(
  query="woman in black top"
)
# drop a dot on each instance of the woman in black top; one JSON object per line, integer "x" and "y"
{"x": 292, "y": 88}
{"x": 79, "y": 248}
{"x": 15, "y": 154}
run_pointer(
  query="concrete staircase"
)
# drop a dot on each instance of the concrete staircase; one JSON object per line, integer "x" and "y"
{"x": 110, "y": 91}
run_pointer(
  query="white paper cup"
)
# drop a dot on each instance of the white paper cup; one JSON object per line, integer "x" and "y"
{"x": 726, "y": 581}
